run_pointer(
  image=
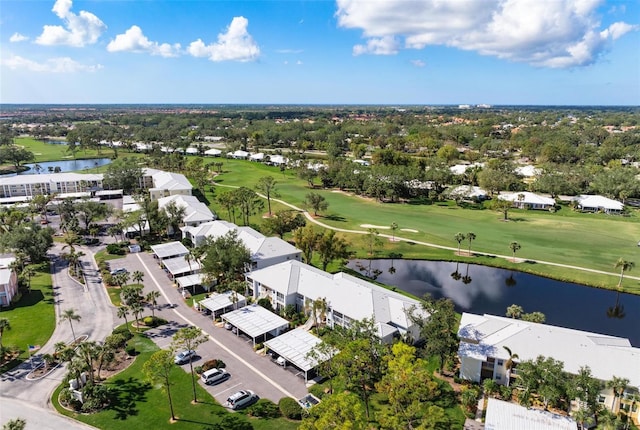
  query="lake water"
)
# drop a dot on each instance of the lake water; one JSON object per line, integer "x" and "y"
{"x": 480, "y": 289}
{"x": 68, "y": 166}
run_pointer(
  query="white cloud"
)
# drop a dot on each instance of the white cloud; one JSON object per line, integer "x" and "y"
{"x": 418, "y": 63}
{"x": 543, "y": 33}
{"x": 133, "y": 40}
{"x": 52, "y": 65}
{"x": 17, "y": 37}
{"x": 387, "y": 45}
{"x": 289, "y": 51}
{"x": 78, "y": 30}
{"x": 234, "y": 45}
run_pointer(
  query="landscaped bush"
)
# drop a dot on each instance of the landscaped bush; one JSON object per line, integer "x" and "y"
{"x": 215, "y": 363}
{"x": 265, "y": 303}
{"x": 116, "y": 341}
{"x": 264, "y": 408}
{"x": 317, "y": 390}
{"x": 115, "y": 249}
{"x": 290, "y": 408}
{"x": 198, "y": 370}
{"x": 130, "y": 350}
{"x": 123, "y": 330}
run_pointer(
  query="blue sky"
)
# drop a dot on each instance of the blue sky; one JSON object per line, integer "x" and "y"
{"x": 544, "y": 52}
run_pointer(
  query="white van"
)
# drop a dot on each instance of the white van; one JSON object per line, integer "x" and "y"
{"x": 214, "y": 376}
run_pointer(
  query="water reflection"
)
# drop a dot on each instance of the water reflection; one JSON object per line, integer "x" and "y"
{"x": 483, "y": 289}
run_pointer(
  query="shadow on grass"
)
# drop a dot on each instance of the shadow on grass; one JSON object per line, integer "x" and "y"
{"x": 125, "y": 395}
{"x": 201, "y": 196}
{"x": 28, "y": 299}
{"x": 334, "y": 217}
{"x": 529, "y": 262}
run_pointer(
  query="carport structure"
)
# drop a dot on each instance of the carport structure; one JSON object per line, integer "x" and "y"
{"x": 179, "y": 266}
{"x": 219, "y": 303}
{"x": 192, "y": 281}
{"x": 294, "y": 346}
{"x": 256, "y": 321}
{"x": 169, "y": 250}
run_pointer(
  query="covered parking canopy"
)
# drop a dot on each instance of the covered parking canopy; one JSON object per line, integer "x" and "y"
{"x": 169, "y": 250}
{"x": 191, "y": 281}
{"x": 179, "y": 266}
{"x": 294, "y": 346}
{"x": 256, "y": 321}
{"x": 218, "y": 303}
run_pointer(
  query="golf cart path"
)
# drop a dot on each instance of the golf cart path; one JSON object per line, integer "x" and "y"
{"x": 432, "y": 245}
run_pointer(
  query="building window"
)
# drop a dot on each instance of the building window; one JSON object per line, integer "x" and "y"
{"x": 500, "y": 362}
{"x": 601, "y": 399}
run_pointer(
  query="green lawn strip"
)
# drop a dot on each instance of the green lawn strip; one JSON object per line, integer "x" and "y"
{"x": 33, "y": 318}
{"x": 137, "y": 404}
{"x": 56, "y": 152}
{"x": 105, "y": 256}
{"x": 593, "y": 241}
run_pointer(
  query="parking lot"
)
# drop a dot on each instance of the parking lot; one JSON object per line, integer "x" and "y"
{"x": 249, "y": 370}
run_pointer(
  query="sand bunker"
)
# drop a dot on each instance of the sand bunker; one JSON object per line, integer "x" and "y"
{"x": 409, "y": 230}
{"x": 382, "y": 227}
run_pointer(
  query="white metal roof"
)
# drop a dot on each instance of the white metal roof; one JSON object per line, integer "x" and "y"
{"x": 341, "y": 291}
{"x": 468, "y": 191}
{"x": 503, "y": 415}
{"x": 170, "y": 249}
{"x": 194, "y": 209}
{"x": 255, "y": 320}
{"x": 295, "y": 346}
{"x": 179, "y": 265}
{"x": 5, "y": 276}
{"x": 527, "y": 197}
{"x": 50, "y": 178}
{"x": 170, "y": 181}
{"x": 212, "y": 151}
{"x": 607, "y": 356}
{"x": 190, "y": 280}
{"x": 219, "y": 301}
{"x": 589, "y": 201}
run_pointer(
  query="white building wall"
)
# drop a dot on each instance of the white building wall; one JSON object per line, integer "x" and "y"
{"x": 470, "y": 369}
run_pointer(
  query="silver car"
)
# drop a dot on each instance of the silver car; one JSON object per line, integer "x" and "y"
{"x": 241, "y": 399}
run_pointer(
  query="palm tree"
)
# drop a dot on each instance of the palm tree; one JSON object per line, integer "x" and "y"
{"x": 510, "y": 363}
{"x": 136, "y": 309}
{"x": 624, "y": 266}
{"x": 152, "y": 299}
{"x": 583, "y": 416}
{"x": 137, "y": 276}
{"x": 29, "y": 272}
{"x": 123, "y": 311}
{"x": 515, "y": 246}
{"x": 70, "y": 315}
{"x": 618, "y": 385}
{"x": 394, "y": 227}
{"x": 4, "y": 325}
{"x": 470, "y": 237}
{"x": 459, "y": 237}
{"x": 514, "y": 311}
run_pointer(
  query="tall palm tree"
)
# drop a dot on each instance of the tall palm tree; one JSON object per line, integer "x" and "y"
{"x": 624, "y": 266}
{"x": 510, "y": 363}
{"x": 459, "y": 237}
{"x": 29, "y": 272}
{"x": 514, "y": 246}
{"x": 4, "y": 325}
{"x": 152, "y": 299}
{"x": 123, "y": 311}
{"x": 70, "y": 315}
{"x": 470, "y": 237}
{"x": 618, "y": 385}
{"x": 136, "y": 309}
{"x": 137, "y": 276}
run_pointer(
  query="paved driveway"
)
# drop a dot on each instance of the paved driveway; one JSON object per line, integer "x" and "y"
{"x": 248, "y": 369}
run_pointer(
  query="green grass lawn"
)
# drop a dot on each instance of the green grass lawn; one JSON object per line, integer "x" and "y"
{"x": 33, "y": 318}
{"x": 593, "y": 241}
{"x": 51, "y": 152}
{"x": 138, "y": 405}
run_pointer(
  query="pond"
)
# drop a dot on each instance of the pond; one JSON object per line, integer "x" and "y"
{"x": 481, "y": 289}
{"x": 88, "y": 165}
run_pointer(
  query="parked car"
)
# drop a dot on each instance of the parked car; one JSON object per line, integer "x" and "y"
{"x": 241, "y": 399}
{"x": 119, "y": 271}
{"x": 215, "y": 376}
{"x": 184, "y": 356}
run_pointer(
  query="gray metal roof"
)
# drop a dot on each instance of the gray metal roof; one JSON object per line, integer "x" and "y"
{"x": 219, "y": 301}
{"x": 255, "y": 320}
{"x": 171, "y": 249}
{"x": 295, "y": 346}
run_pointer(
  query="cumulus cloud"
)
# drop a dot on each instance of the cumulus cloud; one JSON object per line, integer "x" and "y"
{"x": 52, "y": 65}
{"x": 78, "y": 30}
{"x": 17, "y": 37}
{"x": 133, "y": 40}
{"x": 549, "y": 33}
{"x": 387, "y": 45}
{"x": 234, "y": 45}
